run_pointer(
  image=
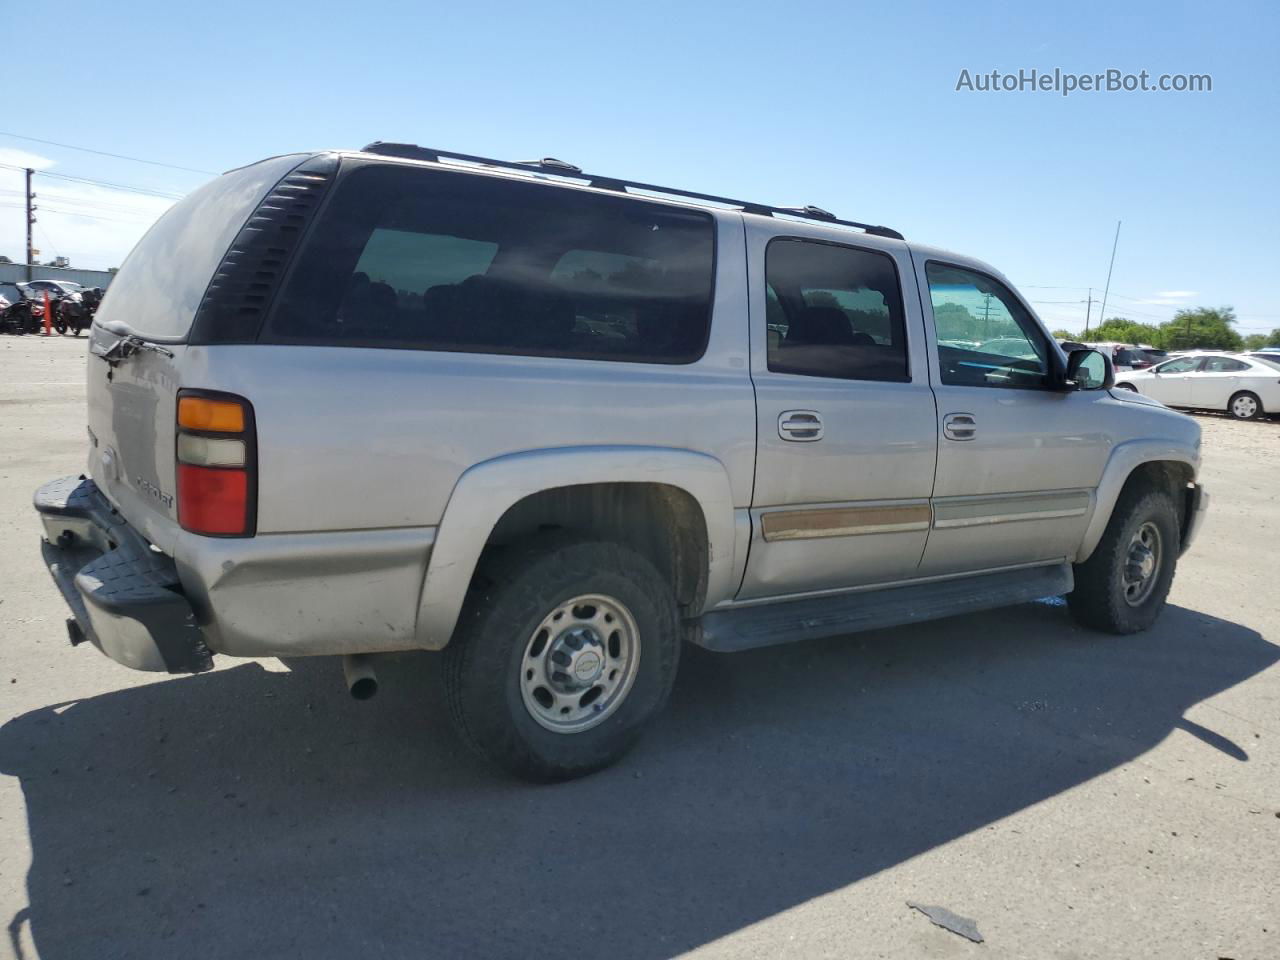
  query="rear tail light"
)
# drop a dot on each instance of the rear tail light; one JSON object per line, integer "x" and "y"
{"x": 217, "y": 464}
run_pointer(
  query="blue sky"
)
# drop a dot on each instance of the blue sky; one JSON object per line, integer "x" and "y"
{"x": 850, "y": 106}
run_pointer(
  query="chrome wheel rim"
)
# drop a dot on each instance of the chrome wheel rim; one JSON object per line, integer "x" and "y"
{"x": 1244, "y": 407}
{"x": 580, "y": 663}
{"x": 1142, "y": 564}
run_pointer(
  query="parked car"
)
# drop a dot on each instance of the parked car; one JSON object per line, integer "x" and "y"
{"x": 1009, "y": 346}
{"x": 54, "y": 288}
{"x": 356, "y": 402}
{"x": 1241, "y": 385}
{"x": 1124, "y": 356}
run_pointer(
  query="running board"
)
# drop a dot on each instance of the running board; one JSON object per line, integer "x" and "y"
{"x": 763, "y": 625}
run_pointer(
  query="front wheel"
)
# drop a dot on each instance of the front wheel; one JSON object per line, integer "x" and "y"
{"x": 1123, "y": 585}
{"x": 565, "y": 651}
{"x": 1244, "y": 406}
{"x": 1127, "y": 386}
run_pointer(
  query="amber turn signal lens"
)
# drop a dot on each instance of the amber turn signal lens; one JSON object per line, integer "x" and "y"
{"x": 219, "y": 416}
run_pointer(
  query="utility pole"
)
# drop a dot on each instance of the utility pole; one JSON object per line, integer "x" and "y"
{"x": 1115, "y": 243}
{"x": 986, "y": 317}
{"x": 31, "y": 219}
{"x": 1088, "y": 309}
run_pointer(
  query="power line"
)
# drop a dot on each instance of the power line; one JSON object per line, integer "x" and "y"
{"x": 114, "y": 186}
{"x": 90, "y": 216}
{"x": 67, "y": 198}
{"x": 106, "y": 205}
{"x": 73, "y": 213}
{"x": 104, "y": 153}
{"x": 145, "y": 191}
{"x": 44, "y": 233}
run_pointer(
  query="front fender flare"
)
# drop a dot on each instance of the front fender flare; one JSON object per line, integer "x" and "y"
{"x": 487, "y": 490}
{"x": 1124, "y": 459}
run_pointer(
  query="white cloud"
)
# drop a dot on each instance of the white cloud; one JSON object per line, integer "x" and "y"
{"x": 23, "y": 158}
{"x": 1176, "y": 294}
{"x": 94, "y": 226}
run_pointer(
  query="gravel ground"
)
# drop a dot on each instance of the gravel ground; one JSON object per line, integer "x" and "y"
{"x": 1075, "y": 795}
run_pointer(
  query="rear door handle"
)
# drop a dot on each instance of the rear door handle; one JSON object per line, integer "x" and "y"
{"x": 959, "y": 426}
{"x": 800, "y": 425}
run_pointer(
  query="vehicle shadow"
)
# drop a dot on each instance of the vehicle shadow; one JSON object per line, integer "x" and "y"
{"x": 251, "y": 813}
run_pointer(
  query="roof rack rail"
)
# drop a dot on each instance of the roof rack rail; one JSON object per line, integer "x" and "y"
{"x": 559, "y": 168}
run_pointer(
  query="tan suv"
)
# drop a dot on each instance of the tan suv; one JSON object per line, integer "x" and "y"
{"x": 554, "y": 423}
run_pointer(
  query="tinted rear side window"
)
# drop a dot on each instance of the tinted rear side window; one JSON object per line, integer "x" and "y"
{"x": 161, "y": 283}
{"x": 834, "y": 311}
{"x": 434, "y": 260}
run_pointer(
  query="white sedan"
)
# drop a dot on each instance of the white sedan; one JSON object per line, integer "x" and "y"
{"x": 1243, "y": 386}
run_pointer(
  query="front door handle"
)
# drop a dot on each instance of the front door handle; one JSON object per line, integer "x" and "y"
{"x": 800, "y": 425}
{"x": 959, "y": 426}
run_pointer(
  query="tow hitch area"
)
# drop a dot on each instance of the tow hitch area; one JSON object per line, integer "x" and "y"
{"x": 125, "y": 598}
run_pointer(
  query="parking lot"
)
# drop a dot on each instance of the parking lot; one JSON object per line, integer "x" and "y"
{"x": 1076, "y": 795}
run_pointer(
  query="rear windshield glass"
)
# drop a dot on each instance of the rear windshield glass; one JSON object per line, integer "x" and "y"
{"x": 162, "y": 281}
{"x": 411, "y": 258}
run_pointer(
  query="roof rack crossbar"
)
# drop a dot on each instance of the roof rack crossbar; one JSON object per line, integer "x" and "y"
{"x": 558, "y": 168}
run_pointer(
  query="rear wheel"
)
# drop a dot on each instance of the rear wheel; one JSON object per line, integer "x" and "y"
{"x": 1127, "y": 386}
{"x": 565, "y": 651}
{"x": 1245, "y": 406}
{"x": 1123, "y": 585}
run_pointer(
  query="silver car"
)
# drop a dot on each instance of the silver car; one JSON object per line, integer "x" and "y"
{"x": 555, "y": 424}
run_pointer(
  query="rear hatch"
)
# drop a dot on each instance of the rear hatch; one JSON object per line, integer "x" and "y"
{"x": 138, "y": 344}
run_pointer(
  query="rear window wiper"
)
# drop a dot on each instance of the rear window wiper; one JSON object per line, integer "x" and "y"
{"x": 127, "y": 346}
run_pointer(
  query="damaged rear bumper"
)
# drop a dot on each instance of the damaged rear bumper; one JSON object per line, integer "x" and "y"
{"x": 125, "y": 597}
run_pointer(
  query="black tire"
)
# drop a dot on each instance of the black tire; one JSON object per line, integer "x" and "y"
{"x": 1098, "y": 600}
{"x": 1127, "y": 386}
{"x": 1257, "y": 410}
{"x": 515, "y": 590}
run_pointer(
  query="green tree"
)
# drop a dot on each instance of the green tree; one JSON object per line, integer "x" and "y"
{"x": 955, "y": 322}
{"x": 1202, "y": 327}
{"x": 1256, "y": 341}
{"x": 1120, "y": 330}
{"x": 1065, "y": 335}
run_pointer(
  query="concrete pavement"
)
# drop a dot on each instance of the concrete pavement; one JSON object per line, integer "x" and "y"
{"x": 1076, "y": 795}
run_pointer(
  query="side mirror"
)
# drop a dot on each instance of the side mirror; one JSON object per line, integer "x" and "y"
{"x": 1089, "y": 370}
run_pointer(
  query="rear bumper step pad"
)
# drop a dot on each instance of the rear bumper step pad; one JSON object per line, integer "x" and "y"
{"x": 125, "y": 597}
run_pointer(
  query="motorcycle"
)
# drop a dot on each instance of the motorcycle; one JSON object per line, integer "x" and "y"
{"x": 24, "y": 316}
{"x": 76, "y": 312}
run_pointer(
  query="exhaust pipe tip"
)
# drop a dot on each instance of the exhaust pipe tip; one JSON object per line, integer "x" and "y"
{"x": 362, "y": 681}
